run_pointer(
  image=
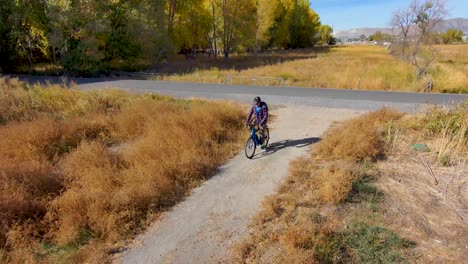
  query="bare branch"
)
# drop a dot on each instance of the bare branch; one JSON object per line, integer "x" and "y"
{"x": 415, "y": 26}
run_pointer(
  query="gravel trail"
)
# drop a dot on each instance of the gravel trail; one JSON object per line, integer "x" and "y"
{"x": 203, "y": 227}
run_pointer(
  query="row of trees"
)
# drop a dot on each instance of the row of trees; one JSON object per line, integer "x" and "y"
{"x": 379, "y": 36}
{"x": 87, "y": 35}
{"x": 447, "y": 37}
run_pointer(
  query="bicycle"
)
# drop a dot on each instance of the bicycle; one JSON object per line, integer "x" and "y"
{"x": 254, "y": 140}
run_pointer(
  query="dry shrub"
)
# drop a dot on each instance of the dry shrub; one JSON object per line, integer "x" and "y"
{"x": 67, "y": 135}
{"x": 297, "y": 256}
{"x": 297, "y": 238}
{"x": 134, "y": 119}
{"x": 310, "y": 183}
{"x": 90, "y": 179}
{"x": 60, "y": 184}
{"x": 174, "y": 148}
{"x": 358, "y": 139}
{"x": 28, "y": 177}
{"x": 51, "y": 138}
{"x": 22, "y": 102}
{"x": 15, "y": 103}
{"x": 335, "y": 183}
{"x": 92, "y": 253}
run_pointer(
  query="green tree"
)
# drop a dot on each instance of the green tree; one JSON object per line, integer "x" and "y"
{"x": 452, "y": 35}
{"x": 101, "y": 35}
{"x": 235, "y": 25}
{"x": 23, "y": 27}
{"x": 326, "y": 34}
{"x": 378, "y": 36}
{"x": 265, "y": 19}
{"x": 296, "y": 25}
{"x": 192, "y": 26}
{"x": 8, "y": 35}
{"x": 88, "y": 36}
{"x": 304, "y": 25}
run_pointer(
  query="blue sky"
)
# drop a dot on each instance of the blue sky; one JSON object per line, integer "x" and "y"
{"x": 348, "y": 14}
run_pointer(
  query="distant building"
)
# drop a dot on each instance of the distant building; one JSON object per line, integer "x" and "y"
{"x": 465, "y": 38}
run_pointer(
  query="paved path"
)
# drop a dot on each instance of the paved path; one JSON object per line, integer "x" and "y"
{"x": 330, "y": 98}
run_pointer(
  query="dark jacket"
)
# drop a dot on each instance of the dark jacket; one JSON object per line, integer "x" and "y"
{"x": 261, "y": 116}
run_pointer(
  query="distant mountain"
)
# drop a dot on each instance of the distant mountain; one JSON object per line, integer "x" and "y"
{"x": 457, "y": 23}
{"x": 357, "y": 32}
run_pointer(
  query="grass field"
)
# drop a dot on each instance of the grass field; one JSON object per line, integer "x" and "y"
{"x": 82, "y": 171}
{"x": 349, "y": 67}
{"x": 369, "y": 197}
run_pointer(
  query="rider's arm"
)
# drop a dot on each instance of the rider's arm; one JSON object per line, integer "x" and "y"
{"x": 265, "y": 115}
{"x": 249, "y": 115}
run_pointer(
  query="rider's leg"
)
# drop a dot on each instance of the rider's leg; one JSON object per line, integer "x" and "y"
{"x": 262, "y": 133}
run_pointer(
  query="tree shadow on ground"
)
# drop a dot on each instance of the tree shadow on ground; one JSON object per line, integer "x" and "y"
{"x": 279, "y": 145}
{"x": 180, "y": 65}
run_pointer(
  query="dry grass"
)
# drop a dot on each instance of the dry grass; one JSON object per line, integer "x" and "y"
{"x": 450, "y": 70}
{"x": 426, "y": 191}
{"x": 444, "y": 130}
{"x": 349, "y": 67}
{"x": 457, "y": 53}
{"x": 68, "y": 191}
{"x": 307, "y": 222}
{"x": 22, "y": 102}
{"x": 435, "y": 216}
{"x": 329, "y": 210}
{"x": 358, "y": 139}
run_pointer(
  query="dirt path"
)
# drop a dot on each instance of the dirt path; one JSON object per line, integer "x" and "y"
{"x": 202, "y": 228}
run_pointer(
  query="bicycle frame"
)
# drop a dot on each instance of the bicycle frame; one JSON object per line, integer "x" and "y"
{"x": 254, "y": 136}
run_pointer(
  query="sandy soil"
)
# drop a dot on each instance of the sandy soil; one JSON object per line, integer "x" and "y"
{"x": 202, "y": 228}
{"x": 434, "y": 216}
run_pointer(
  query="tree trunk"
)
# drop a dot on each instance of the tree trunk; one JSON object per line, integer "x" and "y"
{"x": 54, "y": 57}
{"x": 226, "y": 23}
{"x": 172, "y": 11}
{"x": 229, "y": 27}
{"x": 215, "y": 46}
{"x": 257, "y": 32}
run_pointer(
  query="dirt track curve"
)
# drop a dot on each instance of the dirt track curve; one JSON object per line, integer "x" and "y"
{"x": 202, "y": 228}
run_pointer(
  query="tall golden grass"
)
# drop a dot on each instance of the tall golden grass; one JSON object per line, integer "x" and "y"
{"x": 352, "y": 67}
{"x": 23, "y": 102}
{"x": 443, "y": 129}
{"x": 72, "y": 182}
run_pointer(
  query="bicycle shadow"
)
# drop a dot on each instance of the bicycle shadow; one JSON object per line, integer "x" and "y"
{"x": 279, "y": 145}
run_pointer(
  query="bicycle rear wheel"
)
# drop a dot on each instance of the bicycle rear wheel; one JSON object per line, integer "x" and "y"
{"x": 250, "y": 147}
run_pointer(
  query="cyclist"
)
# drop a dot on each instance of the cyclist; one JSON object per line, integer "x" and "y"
{"x": 260, "y": 109}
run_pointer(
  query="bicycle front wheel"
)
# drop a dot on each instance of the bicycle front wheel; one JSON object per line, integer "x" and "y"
{"x": 250, "y": 147}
